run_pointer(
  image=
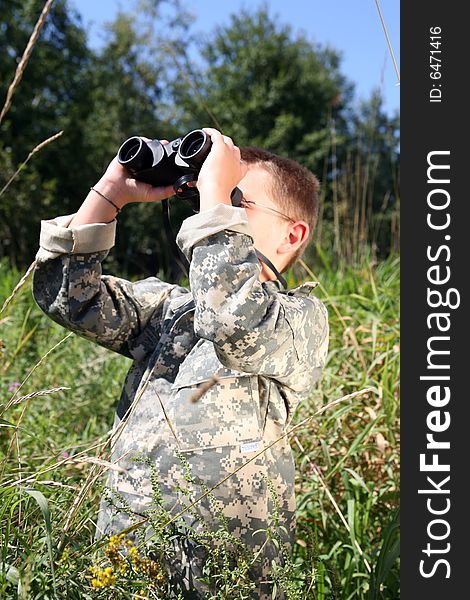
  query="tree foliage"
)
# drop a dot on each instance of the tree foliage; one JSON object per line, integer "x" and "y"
{"x": 265, "y": 87}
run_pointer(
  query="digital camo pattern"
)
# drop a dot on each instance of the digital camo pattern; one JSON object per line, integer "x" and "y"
{"x": 255, "y": 352}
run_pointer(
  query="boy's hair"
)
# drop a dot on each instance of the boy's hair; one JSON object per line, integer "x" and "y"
{"x": 294, "y": 189}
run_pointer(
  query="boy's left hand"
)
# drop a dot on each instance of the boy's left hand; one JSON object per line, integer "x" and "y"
{"x": 221, "y": 171}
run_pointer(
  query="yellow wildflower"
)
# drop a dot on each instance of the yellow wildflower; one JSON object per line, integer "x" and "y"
{"x": 112, "y": 550}
{"x": 102, "y": 577}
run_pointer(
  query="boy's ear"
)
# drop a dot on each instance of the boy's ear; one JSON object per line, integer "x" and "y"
{"x": 296, "y": 235}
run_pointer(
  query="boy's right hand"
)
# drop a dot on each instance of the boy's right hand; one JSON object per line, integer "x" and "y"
{"x": 221, "y": 171}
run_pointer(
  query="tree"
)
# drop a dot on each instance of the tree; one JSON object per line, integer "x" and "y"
{"x": 265, "y": 87}
{"x": 254, "y": 80}
{"x": 361, "y": 212}
{"x": 53, "y": 95}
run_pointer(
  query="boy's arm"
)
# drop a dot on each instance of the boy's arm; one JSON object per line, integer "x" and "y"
{"x": 68, "y": 283}
{"x": 69, "y": 287}
{"x": 254, "y": 326}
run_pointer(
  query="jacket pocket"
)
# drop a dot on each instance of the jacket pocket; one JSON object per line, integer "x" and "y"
{"x": 214, "y": 406}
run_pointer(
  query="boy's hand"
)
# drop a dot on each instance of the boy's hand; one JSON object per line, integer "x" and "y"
{"x": 119, "y": 188}
{"x": 117, "y": 184}
{"x": 220, "y": 172}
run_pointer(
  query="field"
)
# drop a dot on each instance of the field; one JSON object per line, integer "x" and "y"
{"x": 58, "y": 393}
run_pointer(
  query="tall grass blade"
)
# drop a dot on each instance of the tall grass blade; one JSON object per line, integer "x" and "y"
{"x": 387, "y": 556}
{"x": 24, "y": 163}
{"x": 44, "y": 507}
{"x": 388, "y": 40}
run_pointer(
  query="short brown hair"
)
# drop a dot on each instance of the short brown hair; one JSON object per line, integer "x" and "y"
{"x": 294, "y": 189}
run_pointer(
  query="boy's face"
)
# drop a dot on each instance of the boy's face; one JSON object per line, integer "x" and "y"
{"x": 271, "y": 231}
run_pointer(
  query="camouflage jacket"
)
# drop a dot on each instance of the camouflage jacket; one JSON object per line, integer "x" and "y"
{"x": 217, "y": 371}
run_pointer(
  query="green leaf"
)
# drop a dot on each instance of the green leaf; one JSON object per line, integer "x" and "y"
{"x": 357, "y": 478}
{"x": 44, "y": 507}
{"x": 388, "y": 554}
{"x": 351, "y": 520}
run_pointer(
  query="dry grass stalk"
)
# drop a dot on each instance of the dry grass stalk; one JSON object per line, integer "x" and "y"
{"x": 57, "y": 484}
{"x": 32, "y": 153}
{"x": 95, "y": 474}
{"x": 388, "y": 40}
{"x": 26, "y": 404}
{"x": 25, "y": 58}
{"x": 70, "y": 459}
{"x": 92, "y": 478}
{"x": 40, "y": 393}
{"x": 203, "y": 388}
{"x": 99, "y": 461}
{"x": 31, "y": 371}
{"x": 319, "y": 224}
{"x": 116, "y": 433}
{"x": 167, "y": 418}
{"x": 337, "y": 243}
{"x": 350, "y": 331}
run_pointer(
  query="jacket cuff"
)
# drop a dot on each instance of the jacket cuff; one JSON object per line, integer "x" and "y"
{"x": 211, "y": 221}
{"x": 56, "y": 239}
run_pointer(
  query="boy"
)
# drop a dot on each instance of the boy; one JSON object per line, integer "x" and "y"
{"x": 264, "y": 345}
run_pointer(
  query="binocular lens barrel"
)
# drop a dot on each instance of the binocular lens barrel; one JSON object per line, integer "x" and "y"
{"x": 195, "y": 147}
{"x": 166, "y": 164}
{"x": 135, "y": 154}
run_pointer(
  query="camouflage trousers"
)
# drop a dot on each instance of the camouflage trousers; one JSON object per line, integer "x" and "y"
{"x": 231, "y": 515}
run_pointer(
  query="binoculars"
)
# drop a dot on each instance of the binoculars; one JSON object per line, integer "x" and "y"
{"x": 176, "y": 163}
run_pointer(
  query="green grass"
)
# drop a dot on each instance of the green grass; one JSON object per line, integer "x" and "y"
{"x": 347, "y": 458}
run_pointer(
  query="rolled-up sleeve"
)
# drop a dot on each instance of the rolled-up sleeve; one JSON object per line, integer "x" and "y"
{"x": 69, "y": 286}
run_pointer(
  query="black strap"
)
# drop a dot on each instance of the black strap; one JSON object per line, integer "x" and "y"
{"x": 237, "y": 197}
{"x": 266, "y": 260}
{"x": 179, "y": 257}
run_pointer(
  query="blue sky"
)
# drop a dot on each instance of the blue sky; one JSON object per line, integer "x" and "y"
{"x": 351, "y": 26}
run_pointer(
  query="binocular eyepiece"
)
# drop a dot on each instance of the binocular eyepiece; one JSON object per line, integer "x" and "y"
{"x": 176, "y": 163}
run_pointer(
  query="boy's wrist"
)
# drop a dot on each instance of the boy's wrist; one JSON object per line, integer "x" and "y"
{"x": 213, "y": 194}
{"x": 112, "y": 190}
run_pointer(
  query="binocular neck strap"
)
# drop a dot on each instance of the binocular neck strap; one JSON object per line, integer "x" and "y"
{"x": 179, "y": 257}
{"x": 269, "y": 264}
{"x": 236, "y": 197}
